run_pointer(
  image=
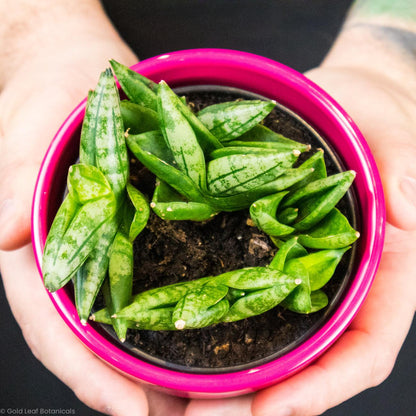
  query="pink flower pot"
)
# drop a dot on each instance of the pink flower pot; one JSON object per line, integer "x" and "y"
{"x": 291, "y": 89}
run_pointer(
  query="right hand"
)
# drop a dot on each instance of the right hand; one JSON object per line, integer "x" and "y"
{"x": 50, "y": 71}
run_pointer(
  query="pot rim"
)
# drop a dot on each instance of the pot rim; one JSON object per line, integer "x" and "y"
{"x": 276, "y": 81}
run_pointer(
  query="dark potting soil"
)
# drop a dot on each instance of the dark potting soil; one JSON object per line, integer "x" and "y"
{"x": 168, "y": 252}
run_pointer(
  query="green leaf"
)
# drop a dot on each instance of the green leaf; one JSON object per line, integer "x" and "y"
{"x": 120, "y": 272}
{"x": 180, "y": 137}
{"x": 90, "y": 276}
{"x": 313, "y": 210}
{"x": 89, "y": 128}
{"x": 151, "y": 142}
{"x": 206, "y": 139}
{"x": 289, "y": 250}
{"x": 141, "y": 214}
{"x": 102, "y": 135}
{"x": 229, "y": 120}
{"x": 263, "y": 214}
{"x": 61, "y": 261}
{"x": 262, "y": 136}
{"x": 139, "y": 89}
{"x": 319, "y": 300}
{"x": 234, "y": 174}
{"x": 258, "y": 302}
{"x": 86, "y": 183}
{"x": 253, "y": 278}
{"x": 165, "y": 171}
{"x": 321, "y": 266}
{"x": 66, "y": 212}
{"x": 334, "y": 231}
{"x": 299, "y": 300}
{"x": 245, "y": 199}
{"x": 240, "y": 150}
{"x": 137, "y": 118}
{"x": 201, "y": 307}
{"x": 317, "y": 188}
{"x": 288, "y": 215}
{"x": 170, "y": 205}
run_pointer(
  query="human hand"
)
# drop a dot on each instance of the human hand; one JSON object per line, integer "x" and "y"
{"x": 47, "y": 73}
{"x": 384, "y": 110}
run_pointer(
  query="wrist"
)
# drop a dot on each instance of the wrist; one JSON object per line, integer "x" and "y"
{"x": 397, "y": 13}
{"x": 378, "y": 37}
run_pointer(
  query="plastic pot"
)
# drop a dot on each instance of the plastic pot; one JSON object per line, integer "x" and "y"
{"x": 275, "y": 81}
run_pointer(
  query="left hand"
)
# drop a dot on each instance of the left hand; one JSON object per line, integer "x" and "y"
{"x": 364, "y": 355}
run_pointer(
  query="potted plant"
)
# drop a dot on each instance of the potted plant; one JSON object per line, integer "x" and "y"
{"x": 198, "y": 177}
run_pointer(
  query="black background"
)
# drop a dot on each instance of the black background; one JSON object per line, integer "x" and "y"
{"x": 294, "y": 32}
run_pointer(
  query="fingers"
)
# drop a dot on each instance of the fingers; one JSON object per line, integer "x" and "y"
{"x": 364, "y": 356}
{"x": 240, "y": 406}
{"x": 29, "y": 122}
{"x": 52, "y": 342}
{"x": 384, "y": 114}
{"x": 323, "y": 385}
{"x": 398, "y": 173}
{"x": 161, "y": 404}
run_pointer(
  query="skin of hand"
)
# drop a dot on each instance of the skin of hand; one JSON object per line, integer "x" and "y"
{"x": 41, "y": 83}
{"x": 384, "y": 108}
{"x": 364, "y": 355}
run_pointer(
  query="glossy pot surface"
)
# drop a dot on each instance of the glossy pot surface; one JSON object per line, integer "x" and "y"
{"x": 274, "y": 81}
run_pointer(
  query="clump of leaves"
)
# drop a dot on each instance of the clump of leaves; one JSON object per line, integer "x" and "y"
{"x": 220, "y": 159}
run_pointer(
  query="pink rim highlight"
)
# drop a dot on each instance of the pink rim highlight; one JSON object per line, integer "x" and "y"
{"x": 288, "y": 87}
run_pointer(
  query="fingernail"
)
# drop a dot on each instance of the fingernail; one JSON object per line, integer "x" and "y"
{"x": 408, "y": 188}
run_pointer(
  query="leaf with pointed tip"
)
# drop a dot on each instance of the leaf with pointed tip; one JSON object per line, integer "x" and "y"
{"x": 165, "y": 171}
{"x": 321, "y": 266}
{"x": 334, "y": 231}
{"x": 263, "y": 214}
{"x": 86, "y": 183}
{"x": 233, "y": 174}
{"x": 201, "y": 307}
{"x": 141, "y": 212}
{"x": 180, "y": 137}
{"x": 229, "y": 120}
{"x": 137, "y": 118}
{"x": 139, "y": 89}
{"x": 80, "y": 238}
{"x": 262, "y": 136}
{"x": 170, "y": 205}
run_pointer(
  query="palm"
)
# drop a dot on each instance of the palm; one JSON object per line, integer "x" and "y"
{"x": 364, "y": 355}
{"x": 33, "y": 104}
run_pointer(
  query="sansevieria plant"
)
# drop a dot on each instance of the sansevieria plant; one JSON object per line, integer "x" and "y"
{"x": 222, "y": 158}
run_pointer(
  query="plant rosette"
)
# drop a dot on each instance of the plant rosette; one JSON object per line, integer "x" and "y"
{"x": 87, "y": 214}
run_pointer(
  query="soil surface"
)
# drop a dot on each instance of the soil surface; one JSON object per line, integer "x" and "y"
{"x": 172, "y": 251}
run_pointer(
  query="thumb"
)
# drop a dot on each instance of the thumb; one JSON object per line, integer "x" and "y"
{"x": 384, "y": 113}
{"x": 28, "y": 124}
{"x": 398, "y": 174}
{"x": 15, "y": 204}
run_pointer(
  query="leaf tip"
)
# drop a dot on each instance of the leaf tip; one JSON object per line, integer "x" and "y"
{"x": 180, "y": 324}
